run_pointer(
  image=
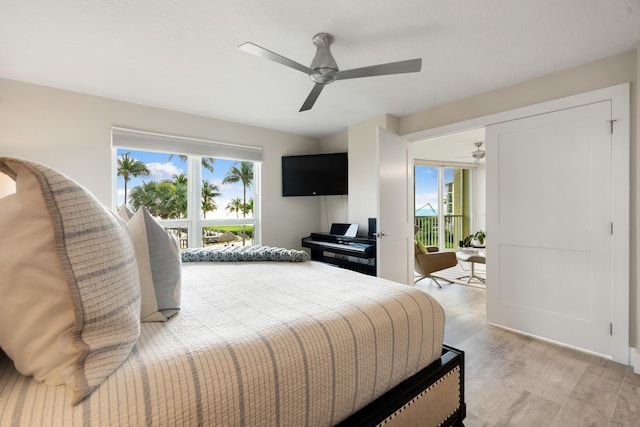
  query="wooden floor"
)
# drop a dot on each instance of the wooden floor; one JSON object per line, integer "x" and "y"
{"x": 460, "y": 274}
{"x": 515, "y": 380}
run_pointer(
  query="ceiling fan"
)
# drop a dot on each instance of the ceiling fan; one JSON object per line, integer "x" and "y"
{"x": 324, "y": 69}
{"x": 478, "y": 153}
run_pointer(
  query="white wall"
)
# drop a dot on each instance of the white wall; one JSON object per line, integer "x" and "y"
{"x": 71, "y": 132}
{"x": 479, "y": 198}
{"x": 363, "y": 173}
{"x": 334, "y": 208}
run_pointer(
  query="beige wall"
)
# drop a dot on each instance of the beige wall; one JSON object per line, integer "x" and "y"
{"x": 599, "y": 74}
{"x": 363, "y": 173}
{"x": 71, "y": 132}
{"x": 334, "y": 208}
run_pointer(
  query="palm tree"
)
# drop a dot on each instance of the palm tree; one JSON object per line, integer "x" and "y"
{"x": 207, "y": 162}
{"x": 179, "y": 196}
{"x": 209, "y": 192}
{"x": 248, "y": 208}
{"x": 167, "y": 205}
{"x": 145, "y": 195}
{"x": 128, "y": 168}
{"x": 243, "y": 174}
{"x": 234, "y": 205}
{"x": 180, "y": 179}
{"x": 166, "y": 199}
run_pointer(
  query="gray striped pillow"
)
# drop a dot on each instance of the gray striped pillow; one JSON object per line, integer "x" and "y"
{"x": 160, "y": 267}
{"x": 68, "y": 281}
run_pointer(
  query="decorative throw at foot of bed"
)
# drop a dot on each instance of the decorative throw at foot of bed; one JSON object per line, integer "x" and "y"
{"x": 243, "y": 253}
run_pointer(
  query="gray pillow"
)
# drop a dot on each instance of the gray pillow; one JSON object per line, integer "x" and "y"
{"x": 160, "y": 267}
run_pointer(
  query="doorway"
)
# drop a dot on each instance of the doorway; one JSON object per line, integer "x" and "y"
{"x": 617, "y": 124}
{"x": 449, "y": 188}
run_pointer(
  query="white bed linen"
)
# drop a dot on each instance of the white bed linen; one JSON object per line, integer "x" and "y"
{"x": 268, "y": 343}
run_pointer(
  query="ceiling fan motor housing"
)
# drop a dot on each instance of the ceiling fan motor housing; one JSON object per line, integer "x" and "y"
{"x": 324, "y": 65}
{"x": 478, "y": 154}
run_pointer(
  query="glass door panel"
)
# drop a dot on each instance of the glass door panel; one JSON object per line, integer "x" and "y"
{"x": 427, "y": 204}
{"x": 442, "y": 197}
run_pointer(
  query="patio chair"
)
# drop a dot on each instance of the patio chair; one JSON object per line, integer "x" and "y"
{"x": 428, "y": 263}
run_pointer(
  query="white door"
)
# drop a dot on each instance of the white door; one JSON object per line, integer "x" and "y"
{"x": 395, "y": 208}
{"x": 549, "y": 216}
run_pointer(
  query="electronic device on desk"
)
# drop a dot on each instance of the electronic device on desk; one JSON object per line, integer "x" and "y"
{"x": 341, "y": 247}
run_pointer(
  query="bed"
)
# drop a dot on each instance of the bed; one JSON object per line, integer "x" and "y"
{"x": 262, "y": 343}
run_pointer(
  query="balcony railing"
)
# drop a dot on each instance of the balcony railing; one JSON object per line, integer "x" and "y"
{"x": 453, "y": 230}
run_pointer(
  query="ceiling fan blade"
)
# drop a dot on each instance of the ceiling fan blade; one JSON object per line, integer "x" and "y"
{"x": 272, "y": 56}
{"x": 311, "y": 99}
{"x": 408, "y": 66}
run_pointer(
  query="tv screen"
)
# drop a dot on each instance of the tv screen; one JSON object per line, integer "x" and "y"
{"x": 315, "y": 175}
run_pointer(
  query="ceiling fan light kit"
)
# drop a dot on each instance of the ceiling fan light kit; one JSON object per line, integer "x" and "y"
{"x": 324, "y": 68}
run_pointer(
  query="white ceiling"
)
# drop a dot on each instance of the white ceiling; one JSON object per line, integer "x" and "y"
{"x": 454, "y": 148}
{"x": 182, "y": 55}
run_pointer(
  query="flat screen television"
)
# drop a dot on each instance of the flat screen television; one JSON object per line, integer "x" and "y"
{"x": 315, "y": 175}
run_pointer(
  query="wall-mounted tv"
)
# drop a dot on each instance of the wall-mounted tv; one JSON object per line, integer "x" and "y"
{"x": 315, "y": 175}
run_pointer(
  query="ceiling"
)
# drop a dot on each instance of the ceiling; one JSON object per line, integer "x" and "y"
{"x": 182, "y": 55}
{"x": 454, "y": 148}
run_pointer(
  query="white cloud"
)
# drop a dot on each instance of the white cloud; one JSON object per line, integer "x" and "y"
{"x": 215, "y": 181}
{"x": 235, "y": 187}
{"x": 160, "y": 171}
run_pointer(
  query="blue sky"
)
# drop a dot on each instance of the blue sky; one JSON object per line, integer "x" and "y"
{"x": 427, "y": 187}
{"x": 162, "y": 168}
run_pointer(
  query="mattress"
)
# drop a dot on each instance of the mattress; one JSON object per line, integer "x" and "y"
{"x": 259, "y": 343}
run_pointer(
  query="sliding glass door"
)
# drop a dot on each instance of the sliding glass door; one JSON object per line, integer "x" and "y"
{"x": 442, "y": 205}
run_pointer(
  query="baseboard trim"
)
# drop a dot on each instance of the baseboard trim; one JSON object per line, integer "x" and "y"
{"x": 633, "y": 359}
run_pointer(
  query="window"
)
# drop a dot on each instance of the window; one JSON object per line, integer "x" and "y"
{"x": 205, "y": 193}
{"x": 442, "y": 197}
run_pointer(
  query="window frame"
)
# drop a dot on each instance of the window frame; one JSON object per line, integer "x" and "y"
{"x": 195, "y": 150}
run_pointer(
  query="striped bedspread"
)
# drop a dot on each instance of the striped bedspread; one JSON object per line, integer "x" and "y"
{"x": 269, "y": 344}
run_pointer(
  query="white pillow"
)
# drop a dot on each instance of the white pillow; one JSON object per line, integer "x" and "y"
{"x": 125, "y": 213}
{"x": 160, "y": 267}
{"x": 69, "y": 281}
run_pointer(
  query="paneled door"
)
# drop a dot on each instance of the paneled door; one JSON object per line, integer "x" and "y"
{"x": 549, "y": 226}
{"x": 395, "y": 208}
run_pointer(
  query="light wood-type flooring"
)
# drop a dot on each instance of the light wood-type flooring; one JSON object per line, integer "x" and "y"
{"x": 516, "y": 380}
